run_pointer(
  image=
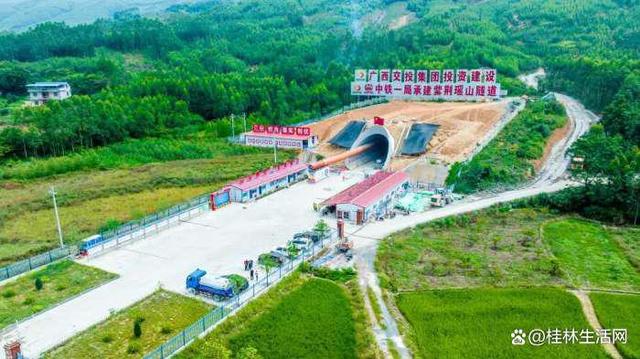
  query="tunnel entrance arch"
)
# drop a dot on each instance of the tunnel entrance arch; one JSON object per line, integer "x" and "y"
{"x": 382, "y": 147}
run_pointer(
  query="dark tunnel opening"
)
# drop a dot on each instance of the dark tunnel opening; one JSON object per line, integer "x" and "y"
{"x": 378, "y": 153}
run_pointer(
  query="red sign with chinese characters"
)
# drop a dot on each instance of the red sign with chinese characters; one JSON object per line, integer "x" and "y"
{"x": 282, "y": 130}
{"x": 448, "y": 84}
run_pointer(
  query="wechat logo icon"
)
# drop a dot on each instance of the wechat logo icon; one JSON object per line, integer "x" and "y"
{"x": 517, "y": 337}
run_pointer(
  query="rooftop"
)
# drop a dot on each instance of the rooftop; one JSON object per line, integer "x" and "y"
{"x": 368, "y": 191}
{"x": 48, "y": 84}
{"x": 268, "y": 175}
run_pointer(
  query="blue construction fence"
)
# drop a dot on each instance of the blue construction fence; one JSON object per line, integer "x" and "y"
{"x": 214, "y": 317}
{"x": 137, "y": 227}
{"x": 34, "y": 262}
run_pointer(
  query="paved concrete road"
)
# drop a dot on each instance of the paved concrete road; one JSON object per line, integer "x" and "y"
{"x": 215, "y": 241}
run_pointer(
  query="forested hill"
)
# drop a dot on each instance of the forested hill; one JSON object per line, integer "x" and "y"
{"x": 285, "y": 61}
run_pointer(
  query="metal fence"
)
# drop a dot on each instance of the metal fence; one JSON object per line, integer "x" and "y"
{"x": 204, "y": 324}
{"x": 40, "y": 260}
{"x": 149, "y": 224}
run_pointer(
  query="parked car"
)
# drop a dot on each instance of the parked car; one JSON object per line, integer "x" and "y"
{"x": 302, "y": 243}
{"x": 313, "y": 235}
{"x": 280, "y": 254}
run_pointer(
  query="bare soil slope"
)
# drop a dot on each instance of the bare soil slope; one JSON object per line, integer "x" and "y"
{"x": 462, "y": 125}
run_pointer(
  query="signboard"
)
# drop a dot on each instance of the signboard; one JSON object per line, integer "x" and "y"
{"x": 260, "y": 141}
{"x": 282, "y": 130}
{"x": 448, "y": 84}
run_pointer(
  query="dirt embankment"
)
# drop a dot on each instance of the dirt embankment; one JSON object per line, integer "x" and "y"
{"x": 557, "y": 136}
{"x": 462, "y": 125}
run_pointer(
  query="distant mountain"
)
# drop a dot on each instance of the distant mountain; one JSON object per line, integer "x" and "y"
{"x": 19, "y": 15}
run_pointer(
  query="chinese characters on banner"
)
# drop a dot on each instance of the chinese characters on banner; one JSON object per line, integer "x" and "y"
{"x": 268, "y": 142}
{"x": 446, "y": 84}
{"x": 282, "y": 130}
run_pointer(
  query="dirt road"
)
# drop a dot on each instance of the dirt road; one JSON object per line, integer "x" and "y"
{"x": 550, "y": 179}
{"x": 532, "y": 79}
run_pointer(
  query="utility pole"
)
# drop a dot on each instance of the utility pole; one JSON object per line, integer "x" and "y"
{"x": 233, "y": 129}
{"x": 244, "y": 120}
{"x": 275, "y": 152}
{"x": 52, "y": 192}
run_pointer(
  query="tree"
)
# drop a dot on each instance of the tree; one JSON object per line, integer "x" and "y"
{"x": 321, "y": 227}
{"x": 13, "y": 79}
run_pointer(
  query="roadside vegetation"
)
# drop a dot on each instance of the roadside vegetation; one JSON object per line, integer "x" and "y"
{"x": 620, "y": 311}
{"x": 157, "y": 318}
{"x": 57, "y": 282}
{"x": 509, "y": 158}
{"x": 301, "y": 317}
{"x": 477, "y": 323}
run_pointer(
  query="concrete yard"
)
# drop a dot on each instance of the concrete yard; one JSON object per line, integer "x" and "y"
{"x": 215, "y": 241}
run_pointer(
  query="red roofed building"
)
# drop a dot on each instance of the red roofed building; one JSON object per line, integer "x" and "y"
{"x": 267, "y": 181}
{"x": 369, "y": 198}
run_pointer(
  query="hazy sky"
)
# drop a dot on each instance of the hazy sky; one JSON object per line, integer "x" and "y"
{"x": 19, "y": 15}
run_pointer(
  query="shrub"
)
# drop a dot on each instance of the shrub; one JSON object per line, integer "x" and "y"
{"x": 8, "y": 294}
{"x": 248, "y": 353}
{"x": 166, "y": 330}
{"x": 39, "y": 284}
{"x": 137, "y": 328}
{"x": 28, "y": 301}
{"x": 133, "y": 348}
{"x": 107, "y": 338}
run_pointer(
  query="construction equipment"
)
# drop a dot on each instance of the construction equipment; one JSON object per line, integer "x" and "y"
{"x": 345, "y": 246}
{"x": 441, "y": 200}
{"x": 199, "y": 282}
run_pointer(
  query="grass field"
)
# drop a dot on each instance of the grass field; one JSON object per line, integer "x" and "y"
{"x": 162, "y": 315}
{"x": 19, "y": 298}
{"x": 301, "y": 317}
{"x": 628, "y": 239}
{"x": 88, "y": 200}
{"x": 477, "y": 323}
{"x": 620, "y": 311}
{"x": 486, "y": 248}
{"x": 589, "y": 255}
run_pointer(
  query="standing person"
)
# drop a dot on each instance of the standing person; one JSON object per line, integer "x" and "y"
{"x": 246, "y": 264}
{"x": 256, "y": 274}
{"x": 251, "y": 274}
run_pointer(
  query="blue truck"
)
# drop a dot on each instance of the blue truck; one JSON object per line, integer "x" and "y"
{"x": 216, "y": 286}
